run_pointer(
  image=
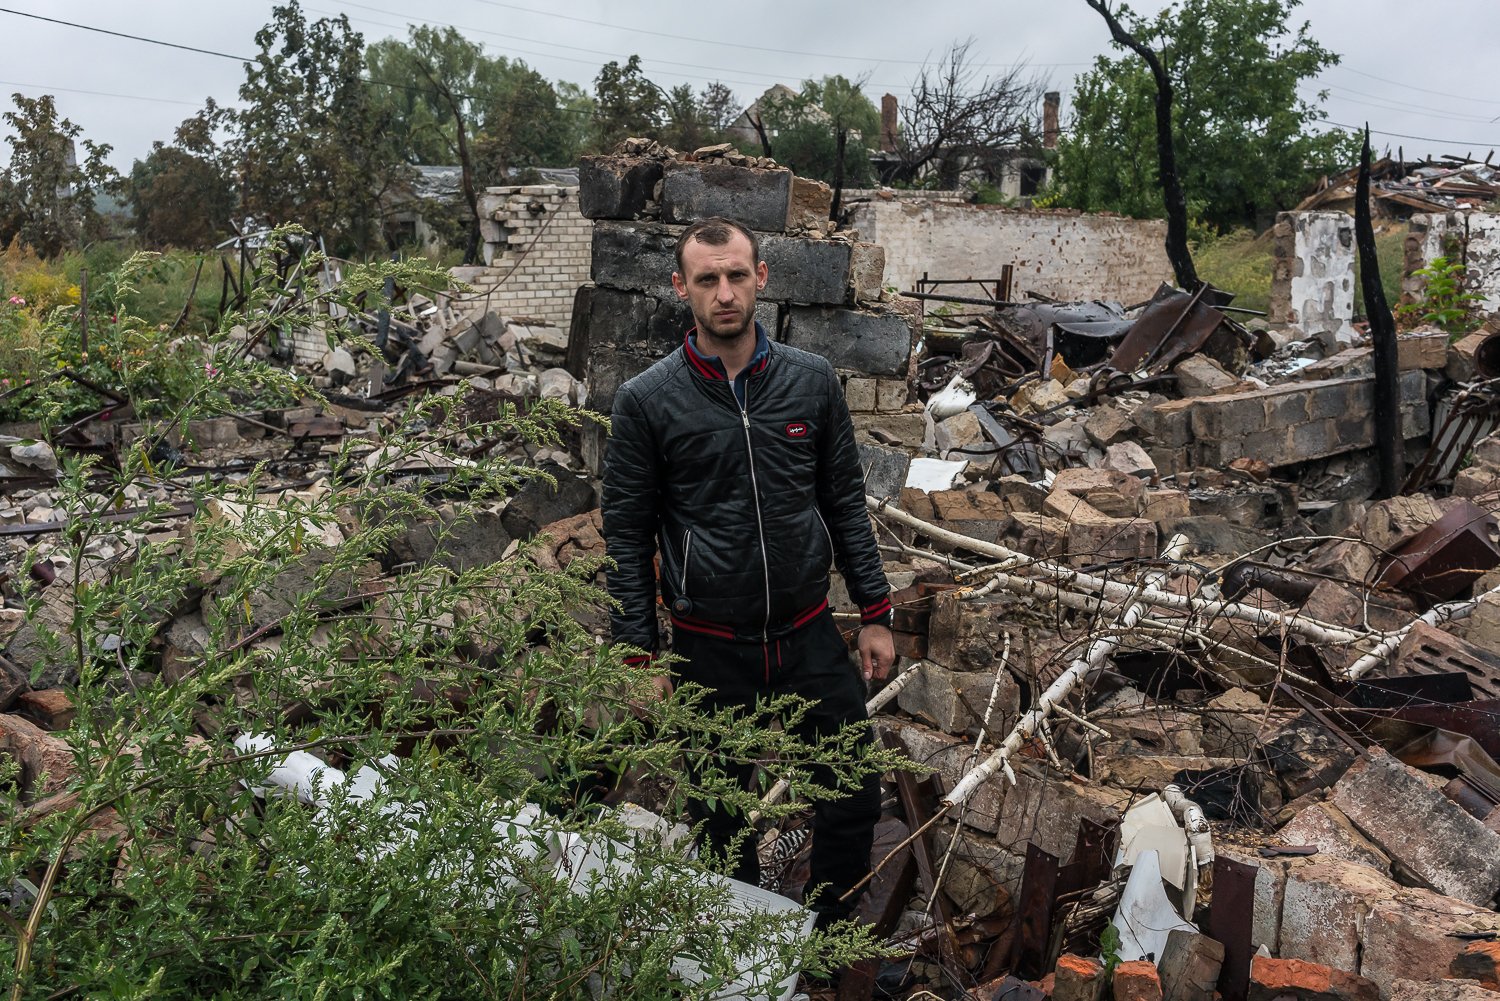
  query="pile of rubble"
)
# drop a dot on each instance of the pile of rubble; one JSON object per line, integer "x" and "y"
{"x": 1201, "y": 714}
{"x": 1400, "y": 188}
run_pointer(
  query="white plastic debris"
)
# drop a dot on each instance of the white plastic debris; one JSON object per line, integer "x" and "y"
{"x": 1146, "y": 915}
{"x": 954, "y": 398}
{"x": 935, "y": 474}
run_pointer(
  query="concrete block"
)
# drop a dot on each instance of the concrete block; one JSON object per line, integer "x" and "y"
{"x": 1113, "y": 492}
{"x": 956, "y": 701}
{"x": 1325, "y": 827}
{"x": 1429, "y": 837}
{"x": 859, "y": 394}
{"x": 616, "y": 187}
{"x": 1165, "y": 505}
{"x": 885, "y": 469}
{"x": 983, "y": 877}
{"x": 810, "y": 204}
{"x": 634, "y": 257}
{"x": 1130, "y": 458}
{"x": 1189, "y": 966}
{"x": 1200, "y": 375}
{"x": 866, "y": 273}
{"x": 891, "y": 395}
{"x": 810, "y": 272}
{"x": 1112, "y": 539}
{"x": 1324, "y": 909}
{"x": 877, "y": 342}
{"x": 760, "y": 199}
{"x": 1417, "y": 934}
{"x": 1108, "y": 426}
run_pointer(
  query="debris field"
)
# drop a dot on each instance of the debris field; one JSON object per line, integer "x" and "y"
{"x": 1198, "y": 712}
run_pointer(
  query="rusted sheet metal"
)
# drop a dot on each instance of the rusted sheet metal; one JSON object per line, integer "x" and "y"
{"x": 1173, "y": 325}
{"x": 1034, "y": 913}
{"x": 1444, "y": 559}
{"x": 1229, "y": 921}
{"x": 882, "y": 904}
{"x": 1472, "y": 414}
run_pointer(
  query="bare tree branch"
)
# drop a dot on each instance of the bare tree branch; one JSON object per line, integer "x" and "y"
{"x": 956, "y": 121}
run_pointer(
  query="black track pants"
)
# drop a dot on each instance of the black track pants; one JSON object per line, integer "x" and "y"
{"x": 814, "y": 663}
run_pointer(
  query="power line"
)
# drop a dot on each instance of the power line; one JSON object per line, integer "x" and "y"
{"x": 1407, "y": 86}
{"x": 540, "y": 41}
{"x": 742, "y": 45}
{"x": 1410, "y": 109}
{"x": 1402, "y": 135}
{"x": 94, "y": 93}
{"x": 121, "y": 34}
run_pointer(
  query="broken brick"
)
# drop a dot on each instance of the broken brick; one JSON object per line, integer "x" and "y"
{"x": 1297, "y": 980}
{"x": 1479, "y": 961}
{"x": 1078, "y": 978}
{"x": 1137, "y": 980}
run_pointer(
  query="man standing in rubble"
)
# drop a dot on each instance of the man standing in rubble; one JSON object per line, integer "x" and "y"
{"x": 735, "y": 456}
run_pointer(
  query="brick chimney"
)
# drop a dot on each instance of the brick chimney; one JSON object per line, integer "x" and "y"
{"x": 889, "y": 128}
{"x": 1050, "y": 102}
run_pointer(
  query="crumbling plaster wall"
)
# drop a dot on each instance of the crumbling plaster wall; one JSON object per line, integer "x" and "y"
{"x": 1066, "y": 255}
{"x": 536, "y": 253}
{"x": 1312, "y": 276}
{"x": 1477, "y": 235}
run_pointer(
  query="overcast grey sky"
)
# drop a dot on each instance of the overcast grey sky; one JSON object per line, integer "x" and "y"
{"x": 1419, "y": 73}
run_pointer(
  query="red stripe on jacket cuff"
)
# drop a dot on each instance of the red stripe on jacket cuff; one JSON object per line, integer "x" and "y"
{"x": 877, "y": 611}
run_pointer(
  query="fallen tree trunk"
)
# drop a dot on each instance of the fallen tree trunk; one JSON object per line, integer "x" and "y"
{"x": 1116, "y": 591}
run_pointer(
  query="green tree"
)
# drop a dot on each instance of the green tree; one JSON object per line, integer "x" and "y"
{"x": 312, "y": 145}
{"x": 47, "y": 194}
{"x": 626, "y": 103}
{"x": 180, "y": 194}
{"x": 527, "y": 122}
{"x": 719, "y": 106}
{"x": 824, "y": 130}
{"x": 1244, "y": 139}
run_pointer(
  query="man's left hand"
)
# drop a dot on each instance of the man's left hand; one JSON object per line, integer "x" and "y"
{"x": 877, "y": 651}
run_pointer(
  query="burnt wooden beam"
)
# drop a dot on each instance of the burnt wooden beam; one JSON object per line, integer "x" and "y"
{"x": 1382, "y": 337}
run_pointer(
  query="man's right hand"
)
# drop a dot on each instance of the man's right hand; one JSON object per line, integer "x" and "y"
{"x": 663, "y": 685}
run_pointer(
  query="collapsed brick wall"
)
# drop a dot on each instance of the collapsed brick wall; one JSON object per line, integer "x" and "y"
{"x": 1312, "y": 276}
{"x": 1473, "y": 237}
{"x": 1063, "y": 254}
{"x": 824, "y": 294}
{"x": 536, "y": 253}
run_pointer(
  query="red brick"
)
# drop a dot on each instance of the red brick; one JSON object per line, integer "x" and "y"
{"x": 1279, "y": 979}
{"x": 1481, "y": 962}
{"x": 1078, "y": 978}
{"x": 1137, "y": 980}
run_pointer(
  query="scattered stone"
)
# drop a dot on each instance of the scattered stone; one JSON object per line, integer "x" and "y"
{"x": 1429, "y": 837}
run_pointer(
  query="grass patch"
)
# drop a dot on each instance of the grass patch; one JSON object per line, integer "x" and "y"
{"x": 1241, "y": 261}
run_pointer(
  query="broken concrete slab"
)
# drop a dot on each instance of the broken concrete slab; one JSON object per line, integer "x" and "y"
{"x": 1325, "y": 827}
{"x": 1429, "y": 837}
{"x": 616, "y": 187}
{"x": 1189, "y": 966}
{"x": 958, "y": 701}
{"x": 878, "y": 342}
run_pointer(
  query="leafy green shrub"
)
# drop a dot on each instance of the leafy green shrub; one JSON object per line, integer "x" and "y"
{"x": 1446, "y": 301}
{"x": 164, "y": 872}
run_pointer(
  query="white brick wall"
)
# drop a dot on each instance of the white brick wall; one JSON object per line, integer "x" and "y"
{"x": 537, "y": 252}
{"x": 1059, "y": 253}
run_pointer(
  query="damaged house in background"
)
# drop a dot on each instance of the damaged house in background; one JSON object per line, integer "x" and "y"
{"x": 1199, "y": 715}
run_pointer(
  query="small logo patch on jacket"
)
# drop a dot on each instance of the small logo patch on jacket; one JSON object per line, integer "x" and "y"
{"x": 796, "y": 429}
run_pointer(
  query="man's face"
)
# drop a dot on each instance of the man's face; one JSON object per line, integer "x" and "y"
{"x": 719, "y": 284}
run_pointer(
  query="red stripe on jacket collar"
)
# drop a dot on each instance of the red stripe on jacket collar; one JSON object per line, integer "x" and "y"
{"x": 708, "y": 371}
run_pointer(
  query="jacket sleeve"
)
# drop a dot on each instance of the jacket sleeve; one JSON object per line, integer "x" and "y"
{"x": 631, "y": 509}
{"x": 841, "y": 500}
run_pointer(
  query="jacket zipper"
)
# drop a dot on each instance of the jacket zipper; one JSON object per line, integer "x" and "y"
{"x": 687, "y": 547}
{"x": 760, "y": 527}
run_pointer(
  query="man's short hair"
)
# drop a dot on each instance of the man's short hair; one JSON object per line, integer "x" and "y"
{"x": 716, "y": 231}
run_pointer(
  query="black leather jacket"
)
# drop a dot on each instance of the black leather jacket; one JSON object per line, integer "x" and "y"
{"x": 748, "y": 507}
